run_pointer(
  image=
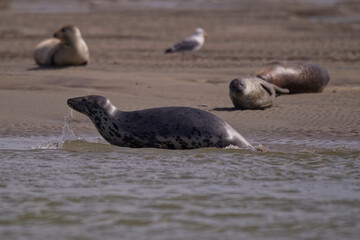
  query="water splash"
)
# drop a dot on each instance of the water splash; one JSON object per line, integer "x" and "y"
{"x": 67, "y": 133}
{"x": 69, "y": 142}
{"x": 48, "y": 146}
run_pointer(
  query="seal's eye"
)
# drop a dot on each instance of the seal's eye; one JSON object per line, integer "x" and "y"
{"x": 63, "y": 30}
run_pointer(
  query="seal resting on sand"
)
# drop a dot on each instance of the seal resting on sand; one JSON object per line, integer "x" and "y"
{"x": 253, "y": 93}
{"x": 67, "y": 47}
{"x": 165, "y": 127}
{"x": 298, "y": 77}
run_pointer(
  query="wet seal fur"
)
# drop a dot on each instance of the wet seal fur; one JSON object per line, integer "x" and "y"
{"x": 166, "y": 127}
{"x": 67, "y": 47}
{"x": 298, "y": 77}
{"x": 253, "y": 93}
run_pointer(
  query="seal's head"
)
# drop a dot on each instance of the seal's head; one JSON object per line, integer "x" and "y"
{"x": 237, "y": 86}
{"x": 91, "y": 105}
{"x": 68, "y": 34}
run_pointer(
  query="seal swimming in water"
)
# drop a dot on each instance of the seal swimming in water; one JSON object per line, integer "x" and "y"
{"x": 165, "y": 127}
{"x": 67, "y": 47}
{"x": 253, "y": 93}
{"x": 191, "y": 43}
{"x": 298, "y": 77}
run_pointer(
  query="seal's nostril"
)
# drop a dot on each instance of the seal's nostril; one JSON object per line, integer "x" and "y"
{"x": 233, "y": 83}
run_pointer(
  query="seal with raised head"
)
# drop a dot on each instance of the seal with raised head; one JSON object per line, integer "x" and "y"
{"x": 165, "y": 127}
{"x": 67, "y": 47}
{"x": 298, "y": 77}
{"x": 253, "y": 93}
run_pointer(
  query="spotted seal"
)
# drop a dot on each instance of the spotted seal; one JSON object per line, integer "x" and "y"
{"x": 298, "y": 77}
{"x": 67, "y": 47}
{"x": 165, "y": 127}
{"x": 253, "y": 93}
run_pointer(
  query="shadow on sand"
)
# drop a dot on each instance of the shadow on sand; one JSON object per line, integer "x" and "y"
{"x": 230, "y": 109}
{"x": 225, "y": 109}
{"x": 43, "y": 67}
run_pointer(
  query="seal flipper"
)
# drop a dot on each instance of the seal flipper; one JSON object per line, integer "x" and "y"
{"x": 280, "y": 90}
{"x": 266, "y": 85}
{"x": 270, "y": 89}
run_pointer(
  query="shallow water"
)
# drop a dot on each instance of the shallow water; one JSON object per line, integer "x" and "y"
{"x": 88, "y": 189}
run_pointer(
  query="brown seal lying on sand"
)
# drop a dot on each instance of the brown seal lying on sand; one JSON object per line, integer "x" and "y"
{"x": 253, "y": 93}
{"x": 67, "y": 47}
{"x": 298, "y": 77}
{"x": 166, "y": 127}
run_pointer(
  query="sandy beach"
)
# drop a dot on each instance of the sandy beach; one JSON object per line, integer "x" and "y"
{"x": 128, "y": 66}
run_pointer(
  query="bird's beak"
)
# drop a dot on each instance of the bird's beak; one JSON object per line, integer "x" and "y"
{"x": 206, "y": 35}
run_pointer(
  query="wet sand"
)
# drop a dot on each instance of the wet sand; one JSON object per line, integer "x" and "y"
{"x": 129, "y": 67}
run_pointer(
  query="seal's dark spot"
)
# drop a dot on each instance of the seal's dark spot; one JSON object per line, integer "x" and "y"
{"x": 170, "y": 146}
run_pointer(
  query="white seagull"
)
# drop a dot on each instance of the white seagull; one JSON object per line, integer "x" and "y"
{"x": 191, "y": 43}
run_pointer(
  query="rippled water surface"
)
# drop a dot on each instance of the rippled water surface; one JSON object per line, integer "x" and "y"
{"x": 87, "y": 189}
